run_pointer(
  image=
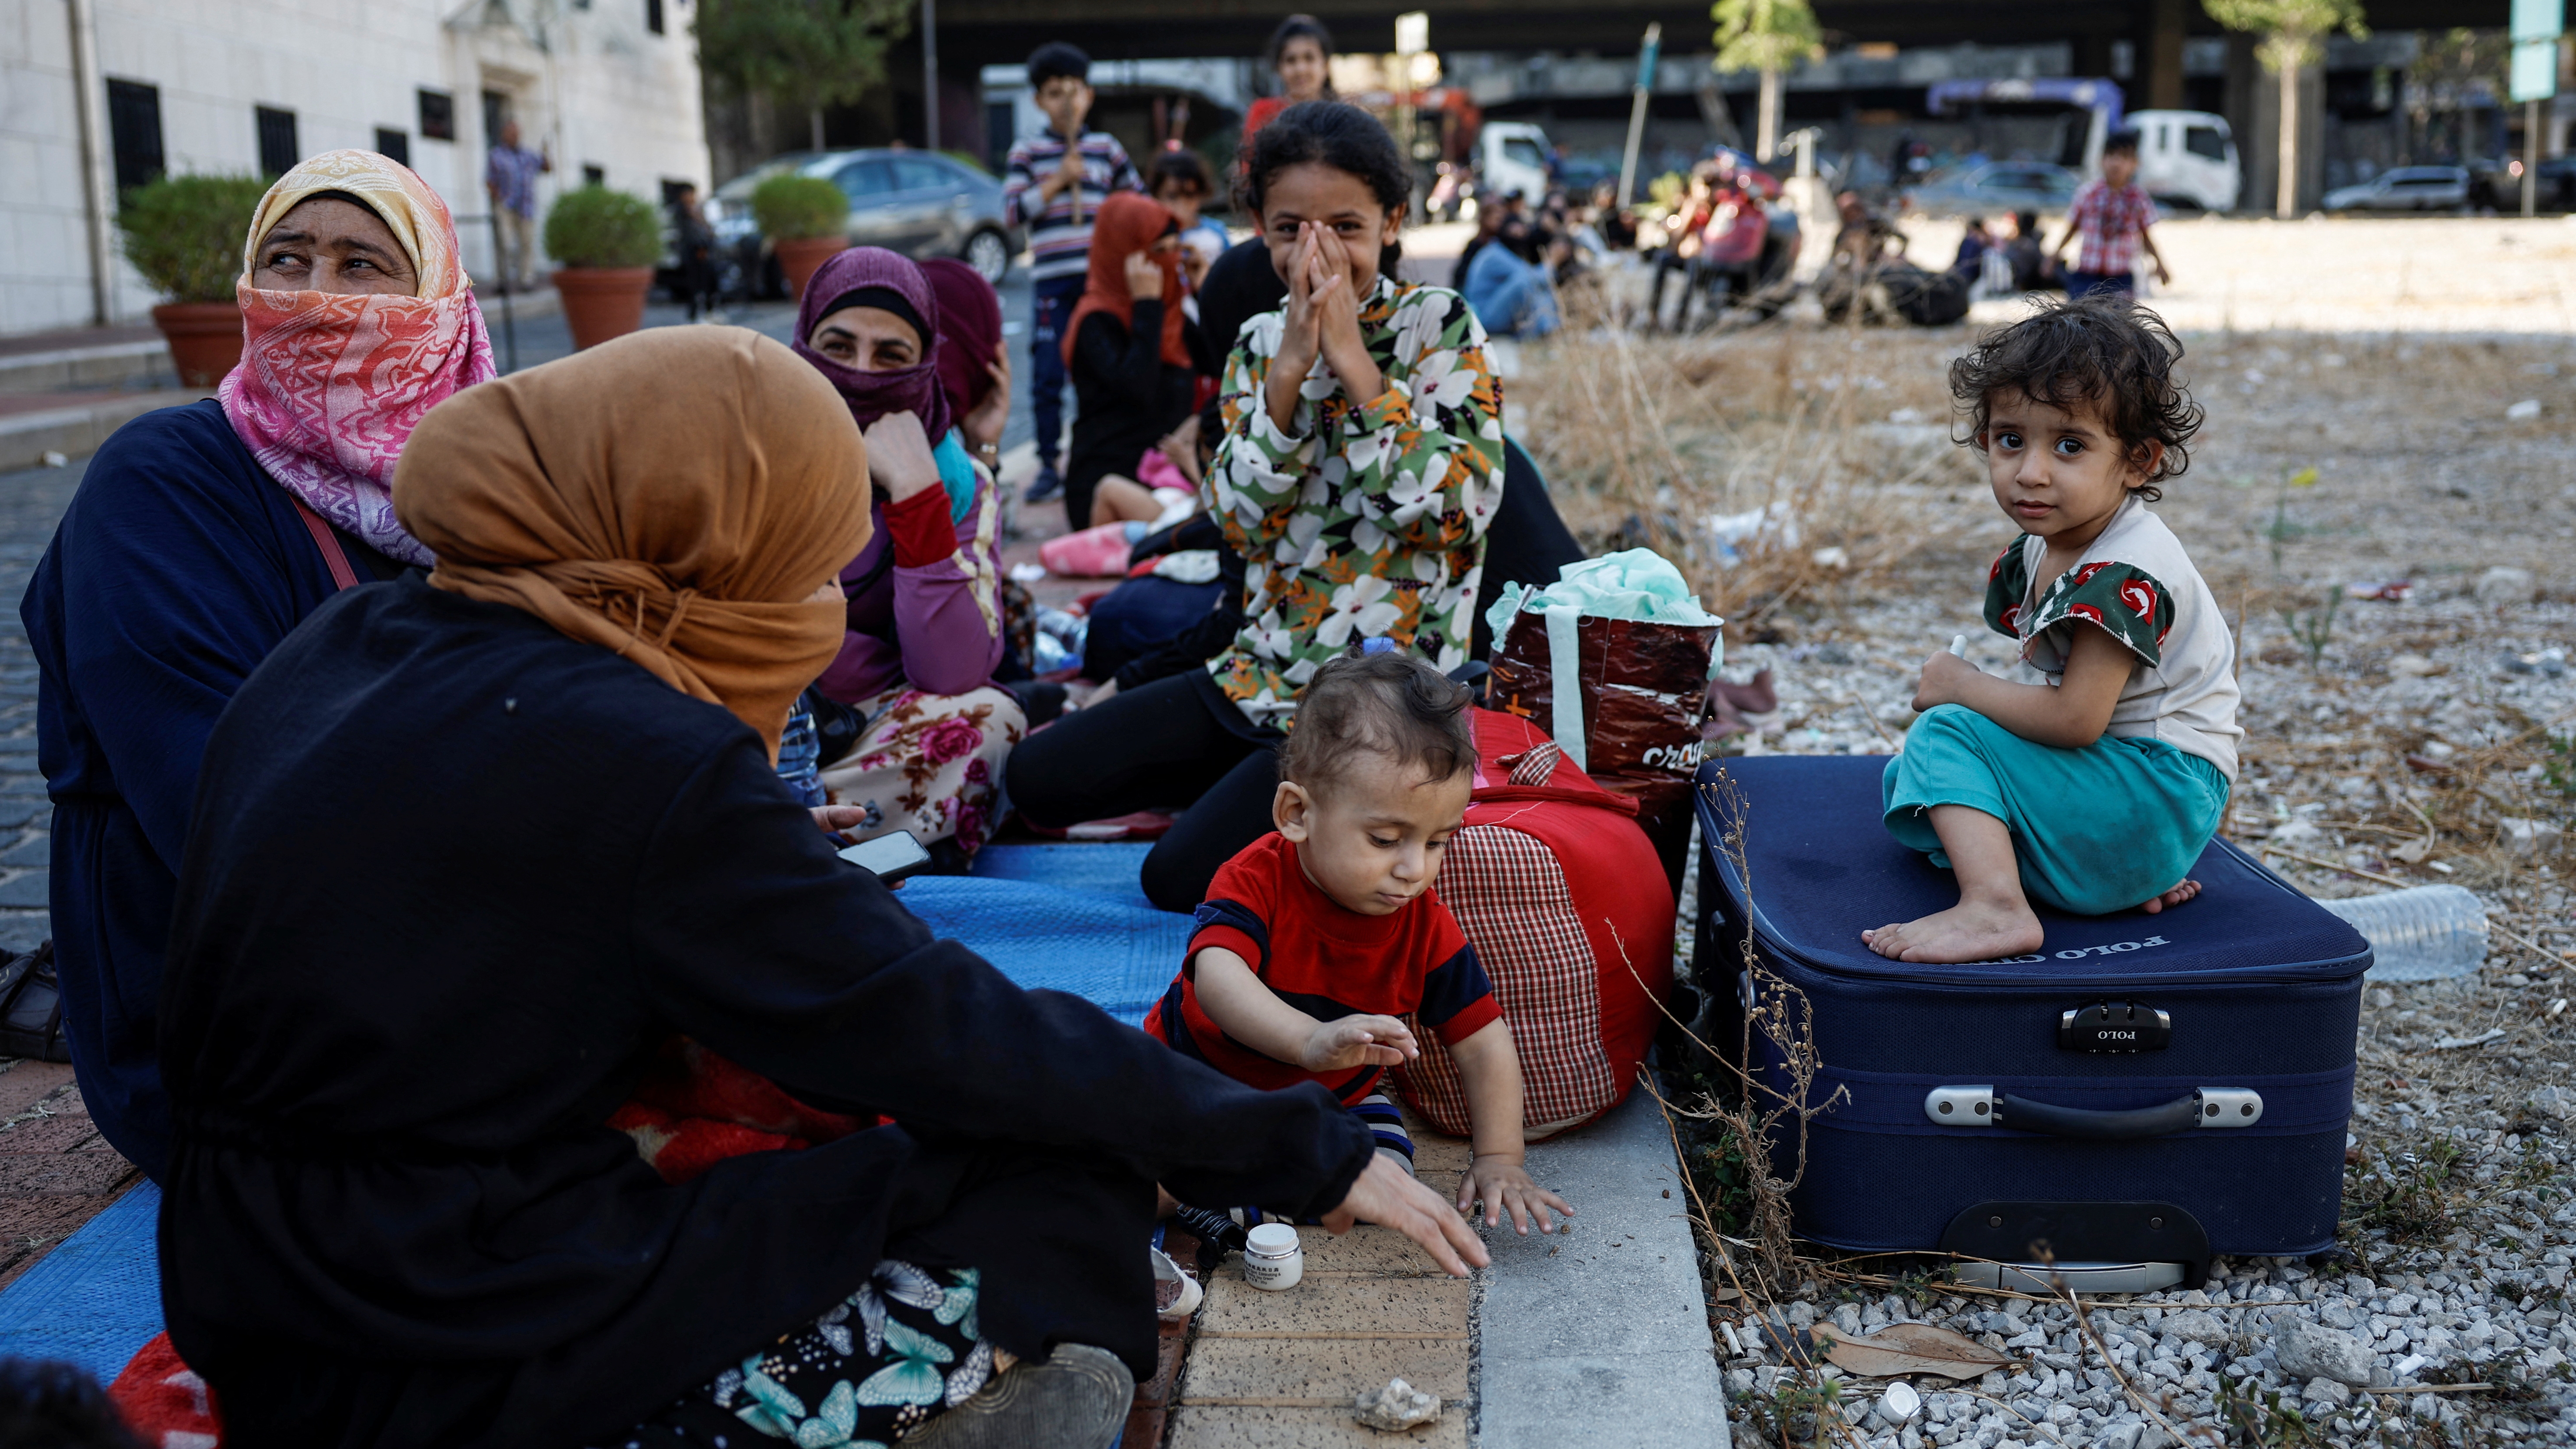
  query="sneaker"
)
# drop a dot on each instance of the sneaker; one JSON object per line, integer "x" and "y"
{"x": 1218, "y": 1234}
{"x": 1049, "y": 483}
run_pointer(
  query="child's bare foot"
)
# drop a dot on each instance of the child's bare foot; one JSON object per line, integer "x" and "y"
{"x": 2174, "y": 897}
{"x": 1968, "y": 931}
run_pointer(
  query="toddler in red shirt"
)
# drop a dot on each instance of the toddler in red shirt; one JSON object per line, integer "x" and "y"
{"x": 1316, "y": 941}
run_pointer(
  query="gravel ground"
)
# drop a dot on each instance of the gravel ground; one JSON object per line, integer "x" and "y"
{"x": 2425, "y": 734}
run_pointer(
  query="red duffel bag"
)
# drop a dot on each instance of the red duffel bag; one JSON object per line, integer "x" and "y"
{"x": 1566, "y": 904}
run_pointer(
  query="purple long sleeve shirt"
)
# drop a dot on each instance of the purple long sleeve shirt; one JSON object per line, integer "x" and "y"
{"x": 925, "y": 604}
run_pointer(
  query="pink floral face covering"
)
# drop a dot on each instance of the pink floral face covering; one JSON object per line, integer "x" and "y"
{"x": 330, "y": 387}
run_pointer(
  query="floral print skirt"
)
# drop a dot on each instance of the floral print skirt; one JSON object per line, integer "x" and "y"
{"x": 930, "y": 764}
{"x": 878, "y": 1366}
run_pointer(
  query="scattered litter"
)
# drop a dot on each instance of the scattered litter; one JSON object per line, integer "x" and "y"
{"x": 2524, "y": 410}
{"x": 1910, "y": 1348}
{"x": 1833, "y": 556}
{"x": 2394, "y": 591}
{"x": 55, "y": 460}
{"x": 2422, "y": 933}
{"x": 1777, "y": 524}
{"x": 1396, "y": 1407}
{"x": 1899, "y": 1403}
{"x": 2415, "y": 666}
{"x": 1028, "y": 573}
{"x": 2454, "y": 1043}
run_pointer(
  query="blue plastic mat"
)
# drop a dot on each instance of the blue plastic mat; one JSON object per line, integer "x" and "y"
{"x": 1108, "y": 870}
{"x": 1064, "y": 917}
{"x": 1116, "y": 954}
{"x": 97, "y": 1298}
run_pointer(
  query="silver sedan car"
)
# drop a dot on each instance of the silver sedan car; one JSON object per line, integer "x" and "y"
{"x": 1995, "y": 186}
{"x": 2405, "y": 188}
{"x": 920, "y": 203}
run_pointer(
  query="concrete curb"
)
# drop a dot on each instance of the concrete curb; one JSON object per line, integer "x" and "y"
{"x": 72, "y": 369}
{"x": 77, "y": 430}
{"x": 1601, "y": 1336}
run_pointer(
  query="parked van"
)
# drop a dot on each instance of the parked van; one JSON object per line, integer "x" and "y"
{"x": 2187, "y": 156}
{"x": 1512, "y": 156}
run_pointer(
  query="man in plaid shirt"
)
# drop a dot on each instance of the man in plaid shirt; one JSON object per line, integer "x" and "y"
{"x": 1053, "y": 186}
{"x": 2112, "y": 215}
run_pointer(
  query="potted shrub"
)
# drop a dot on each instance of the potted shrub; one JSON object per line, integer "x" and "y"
{"x": 184, "y": 234}
{"x": 806, "y": 219}
{"x": 607, "y": 242}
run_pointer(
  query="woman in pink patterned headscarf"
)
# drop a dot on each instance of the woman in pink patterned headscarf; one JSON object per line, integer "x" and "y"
{"x": 200, "y": 536}
{"x": 333, "y": 378}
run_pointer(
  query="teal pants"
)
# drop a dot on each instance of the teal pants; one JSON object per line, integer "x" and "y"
{"x": 2096, "y": 830}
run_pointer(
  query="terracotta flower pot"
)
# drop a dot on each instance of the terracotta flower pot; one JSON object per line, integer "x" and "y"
{"x": 801, "y": 257}
{"x": 602, "y": 302}
{"x": 205, "y": 339}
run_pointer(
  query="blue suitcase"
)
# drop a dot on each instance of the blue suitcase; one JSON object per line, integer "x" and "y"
{"x": 2143, "y": 1093}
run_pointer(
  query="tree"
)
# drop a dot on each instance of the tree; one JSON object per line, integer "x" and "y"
{"x": 1768, "y": 36}
{"x": 2294, "y": 33}
{"x": 802, "y": 54}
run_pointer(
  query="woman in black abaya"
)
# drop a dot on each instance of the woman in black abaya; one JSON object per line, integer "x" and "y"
{"x": 466, "y": 849}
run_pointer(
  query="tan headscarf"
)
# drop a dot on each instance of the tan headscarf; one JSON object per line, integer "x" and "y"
{"x": 673, "y": 496}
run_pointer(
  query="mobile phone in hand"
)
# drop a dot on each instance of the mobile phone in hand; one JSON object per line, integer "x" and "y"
{"x": 891, "y": 857}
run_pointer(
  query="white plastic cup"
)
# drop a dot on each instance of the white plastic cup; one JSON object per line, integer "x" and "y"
{"x": 1272, "y": 1258}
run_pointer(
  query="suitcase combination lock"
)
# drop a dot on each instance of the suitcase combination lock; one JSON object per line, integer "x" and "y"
{"x": 2114, "y": 1026}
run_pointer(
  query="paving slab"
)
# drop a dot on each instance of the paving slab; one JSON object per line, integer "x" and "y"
{"x": 1600, "y": 1336}
{"x": 1196, "y": 1426}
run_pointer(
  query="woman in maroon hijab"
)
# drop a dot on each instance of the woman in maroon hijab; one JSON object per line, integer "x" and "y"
{"x": 925, "y": 624}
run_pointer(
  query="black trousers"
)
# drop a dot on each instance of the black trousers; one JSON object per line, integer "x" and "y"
{"x": 1161, "y": 745}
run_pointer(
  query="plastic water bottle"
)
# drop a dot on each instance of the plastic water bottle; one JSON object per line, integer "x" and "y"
{"x": 2422, "y": 933}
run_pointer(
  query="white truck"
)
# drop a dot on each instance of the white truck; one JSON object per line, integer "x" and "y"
{"x": 1512, "y": 156}
{"x": 2187, "y": 156}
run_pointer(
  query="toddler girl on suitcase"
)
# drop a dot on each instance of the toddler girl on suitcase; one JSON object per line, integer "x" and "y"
{"x": 2094, "y": 782}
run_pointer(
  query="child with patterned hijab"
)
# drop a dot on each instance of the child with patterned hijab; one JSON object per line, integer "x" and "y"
{"x": 1361, "y": 462}
{"x": 2093, "y": 783}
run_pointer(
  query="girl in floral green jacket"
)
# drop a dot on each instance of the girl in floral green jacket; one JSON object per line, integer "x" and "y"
{"x": 1361, "y": 462}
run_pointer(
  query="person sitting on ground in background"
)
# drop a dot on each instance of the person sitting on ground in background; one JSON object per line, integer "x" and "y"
{"x": 1617, "y": 226}
{"x": 922, "y": 603}
{"x": 199, "y": 538}
{"x": 1054, "y": 185}
{"x": 1361, "y": 463}
{"x": 528, "y": 805}
{"x": 1136, "y": 360}
{"x": 1315, "y": 942}
{"x": 2033, "y": 268}
{"x": 1515, "y": 295}
{"x": 2095, "y": 783}
{"x": 1180, "y": 181}
{"x": 1301, "y": 56}
{"x": 2113, "y": 214}
{"x": 1974, "y": 243}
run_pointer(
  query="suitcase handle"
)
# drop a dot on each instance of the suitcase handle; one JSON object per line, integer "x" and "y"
{"x": 1985, "y": 1107}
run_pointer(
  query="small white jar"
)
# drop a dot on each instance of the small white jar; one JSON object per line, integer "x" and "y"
{"x": 1272, "y": 1257}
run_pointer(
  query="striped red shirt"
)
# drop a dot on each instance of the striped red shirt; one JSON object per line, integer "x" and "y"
{"x": 1326, "y": 961}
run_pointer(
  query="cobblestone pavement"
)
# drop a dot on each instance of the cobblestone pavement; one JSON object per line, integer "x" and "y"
{"x": 31, "y": 502}
{"x": 56, "y": 1172}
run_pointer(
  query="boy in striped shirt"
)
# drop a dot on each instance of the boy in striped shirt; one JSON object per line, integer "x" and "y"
{"x": 1316, "y": 939}
{"x": 1053, "y": 186}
